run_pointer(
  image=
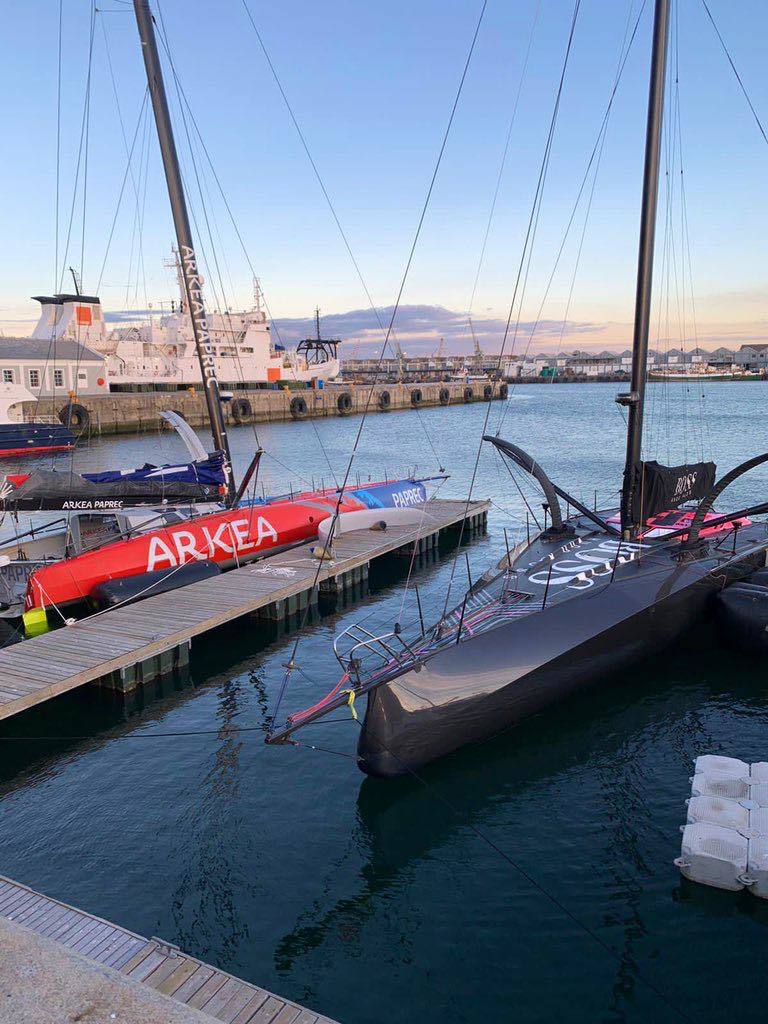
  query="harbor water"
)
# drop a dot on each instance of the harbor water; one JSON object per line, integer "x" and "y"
{"x": 526, "y": 879}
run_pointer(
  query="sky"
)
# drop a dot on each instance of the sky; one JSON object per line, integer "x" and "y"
{"x": 371, "y": 86}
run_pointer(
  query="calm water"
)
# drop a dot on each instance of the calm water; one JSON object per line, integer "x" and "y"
{"x": 374, "y": 901}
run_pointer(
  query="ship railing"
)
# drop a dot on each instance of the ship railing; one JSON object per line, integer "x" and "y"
{"x": 363, "y": 654}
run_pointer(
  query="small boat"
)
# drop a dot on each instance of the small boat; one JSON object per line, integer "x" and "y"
{"x": 19, "y": 439}
{"x": 593, "y": 592}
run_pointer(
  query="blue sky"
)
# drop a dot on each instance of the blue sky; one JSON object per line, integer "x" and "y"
{"x": 372, "y": 86}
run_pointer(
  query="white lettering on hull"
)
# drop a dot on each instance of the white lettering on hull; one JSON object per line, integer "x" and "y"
{"x": 410, "y": 496}
{"x": 161, "y": 552}
{"x": 597, "y": 560}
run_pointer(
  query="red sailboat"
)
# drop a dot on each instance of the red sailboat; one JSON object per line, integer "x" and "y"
{"x": 226, "y": 538}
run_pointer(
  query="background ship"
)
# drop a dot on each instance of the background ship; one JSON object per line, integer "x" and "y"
{"x": 159, "y": 353}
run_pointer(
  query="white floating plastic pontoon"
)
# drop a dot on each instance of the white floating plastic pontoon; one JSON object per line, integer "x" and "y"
{"x": 725, "y": 840}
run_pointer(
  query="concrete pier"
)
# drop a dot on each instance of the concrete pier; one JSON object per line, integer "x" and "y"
{"x": 136, "y": 412}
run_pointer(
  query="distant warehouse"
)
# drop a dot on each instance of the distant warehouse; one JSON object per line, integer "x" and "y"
{"x": 52, "y": 370}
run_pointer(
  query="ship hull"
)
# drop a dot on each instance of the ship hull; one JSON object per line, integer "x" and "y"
{"x": 229, "y": 538}
{"x": 490, "y": 682}
{"x": 18, "y": 440}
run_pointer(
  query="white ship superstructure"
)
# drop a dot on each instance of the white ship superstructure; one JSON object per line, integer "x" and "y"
{"x": 159, "y": 351}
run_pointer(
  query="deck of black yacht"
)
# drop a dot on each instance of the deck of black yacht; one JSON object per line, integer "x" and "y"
{"x": 114, "y": 641}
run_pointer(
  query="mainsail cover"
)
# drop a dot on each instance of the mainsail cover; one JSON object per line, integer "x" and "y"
{"x": 667, "y": 487}
{"x": 115, "y": 489}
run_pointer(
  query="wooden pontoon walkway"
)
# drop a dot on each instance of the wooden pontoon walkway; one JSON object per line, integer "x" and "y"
{"x": 119, "y": 639}
{"x": 156, "y": 963}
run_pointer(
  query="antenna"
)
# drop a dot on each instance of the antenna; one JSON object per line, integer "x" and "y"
{"x": 317, "y": 322}
{"x": 77, "y": 280}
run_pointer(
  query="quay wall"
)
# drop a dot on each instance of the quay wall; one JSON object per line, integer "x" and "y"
{"x": 131, "y": 412}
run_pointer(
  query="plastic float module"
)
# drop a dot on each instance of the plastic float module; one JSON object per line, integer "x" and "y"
{"x": 714, "y": 855}
{"x": 725, "y": 838}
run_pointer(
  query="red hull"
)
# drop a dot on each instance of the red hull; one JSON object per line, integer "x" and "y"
{"x": 12, "y": 453}
{"x": 227, "y": 538}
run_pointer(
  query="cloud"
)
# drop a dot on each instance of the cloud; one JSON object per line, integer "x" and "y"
{"x": 419, "y": 329}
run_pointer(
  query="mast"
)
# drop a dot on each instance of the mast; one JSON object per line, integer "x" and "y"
{"x": 186, "y": 254}
{"x": 634, "y": 401}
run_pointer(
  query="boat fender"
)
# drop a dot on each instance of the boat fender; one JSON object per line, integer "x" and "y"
{"x": 503, "y": 390}
{"x": 445, "y": 396}
{"x": 488, "y": 392}
{"x": 75, "y": 417}
{"x": 416, "y": 396}
{"x": 468, "y": 394}
{"x": 35, "y": 622}
{"x": 381, "y": 526}
{"x": 298, "y": 407}
{"x": 241, "y": 410}
{"x": 344, "y": 403}
{"x": 384, "y": 400}
{"x": 743, "y": 611}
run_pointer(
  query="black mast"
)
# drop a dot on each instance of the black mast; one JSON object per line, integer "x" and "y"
{"x": 192, "y": 283}
{"x": 630, "y": 496}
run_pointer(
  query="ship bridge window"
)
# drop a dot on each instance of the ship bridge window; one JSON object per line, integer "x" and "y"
{"x": 7, "y": 376}
{"x": 58, "y": 378}
{"x": 34, "y": 378}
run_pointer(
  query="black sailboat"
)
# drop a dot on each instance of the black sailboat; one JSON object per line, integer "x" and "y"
{"x": 593, "y": 592}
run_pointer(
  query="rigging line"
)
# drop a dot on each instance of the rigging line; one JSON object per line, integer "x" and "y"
{"x": 58, "y": 152}
{"x": 184, "y": 102}
{"x": 87, "y": 146}
{"x": 685, "y": 243}
{"x": 52, "y": 342}
{"x": 412, "y": 559}
{"x": 594, "y": 182}
{"x": 516, "y": 482}
{"x": 237, "y": 231}
{"x": 395, "y": 308}
{"x": 596, "y": 152}
{"x": 504, "y": 155}
{"x": 390, "y": 332}
{"x": 530, "y": 228}
{"x": 128, "y": 171}
{"x": 736, "y": 73}
{"x": 531, "y": 879}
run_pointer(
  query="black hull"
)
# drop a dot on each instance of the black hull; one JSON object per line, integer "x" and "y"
{"x": 483, "y": 685}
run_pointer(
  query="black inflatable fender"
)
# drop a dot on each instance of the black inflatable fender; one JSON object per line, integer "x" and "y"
{"x": 298, "y": 407}
{"x": 344, "y": 402}
{"x": 241, "y": 409}
{"x": 75, "y": 417}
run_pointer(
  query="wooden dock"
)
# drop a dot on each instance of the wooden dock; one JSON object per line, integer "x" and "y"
{"x": 123, "y": 647}
{"x": 155, "y": 963}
